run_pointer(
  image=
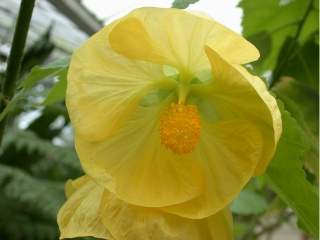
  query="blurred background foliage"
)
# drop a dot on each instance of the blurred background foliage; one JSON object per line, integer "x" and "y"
{"x": 37, "y": 158}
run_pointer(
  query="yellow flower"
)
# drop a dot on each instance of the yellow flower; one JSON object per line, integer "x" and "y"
{"x": 91, "y": 210}
{"x": 164, "y": 114}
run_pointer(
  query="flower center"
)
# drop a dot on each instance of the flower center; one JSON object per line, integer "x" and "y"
{"x": 180, "y": 128}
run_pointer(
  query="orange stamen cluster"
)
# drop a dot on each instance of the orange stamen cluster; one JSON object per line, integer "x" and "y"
{"x": 180, "y": 128}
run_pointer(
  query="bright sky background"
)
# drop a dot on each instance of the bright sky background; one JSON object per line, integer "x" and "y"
{"x": 224, "y": 11}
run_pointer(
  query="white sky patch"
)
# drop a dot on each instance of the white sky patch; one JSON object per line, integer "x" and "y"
{"x": 225, "y": 12}
{"x": 26, "y": 118}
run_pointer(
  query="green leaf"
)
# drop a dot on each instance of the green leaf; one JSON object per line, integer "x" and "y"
{"x": 58, "y": 91}
{"x": 262, "y": 40}
{"x": 279, "y": 19}
{"x": 12, "y": 104}
{"x": 301, "y": 100}
{"x": 303, "y": 64}
{"x": 249, "y": 202}
{"x": 39, "y": 73}
{"x": 183, "y": 3}
{"x": 287, "y": 176}
{"x": 297, "y": 85}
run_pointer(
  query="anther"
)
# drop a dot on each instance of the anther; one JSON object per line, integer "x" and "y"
{"x": 180, "y": 128}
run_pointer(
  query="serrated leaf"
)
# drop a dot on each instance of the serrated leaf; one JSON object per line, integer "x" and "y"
{"x": 249, "y": 202}
{"x": 181, "y": 4}
{"x": 287, "y": 176}
{"x": 39, "y": 73}
{"x": 302, "y": 102}
{"x": 58, "y": 91}
{"x": 303, "y": 65}
{"x": 280, "y": 20}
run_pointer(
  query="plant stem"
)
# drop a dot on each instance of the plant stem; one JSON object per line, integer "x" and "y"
{"x": 290, "y": 51}
{"x": 14, "y": 61}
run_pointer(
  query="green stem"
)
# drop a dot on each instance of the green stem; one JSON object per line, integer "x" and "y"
{"x": 14, "y": 61}
{"x": 290, "y": 50}
{"x": 183, "y": 91}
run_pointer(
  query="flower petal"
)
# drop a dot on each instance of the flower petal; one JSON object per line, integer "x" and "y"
{"x": 276, "y": 122}
{"x": 130, "y": 38}
{"x": 105, "y": 87}
{"x": 80, "y": 216}
{"x": 242, "y": 103}
{"x": 135, "y": 166}
{"x": 229, "y": 152}
{"x": 128, "y": 222}
{"x": 176, "y": 37}
{"x": 236, "y": 94}
{"x": 72, "y": 186}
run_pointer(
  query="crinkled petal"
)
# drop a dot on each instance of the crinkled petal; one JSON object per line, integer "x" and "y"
{"x": 72, "y": 185}
{"x": 229, "y": 152}
{"x": 176, "y": 37}
{"x": 236, "y": 94}
{"x": 81, "y": 216}
{"x": 104, "y": 87}
{"x": 128, "y": 222}
{"x": 135, "y": 166}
